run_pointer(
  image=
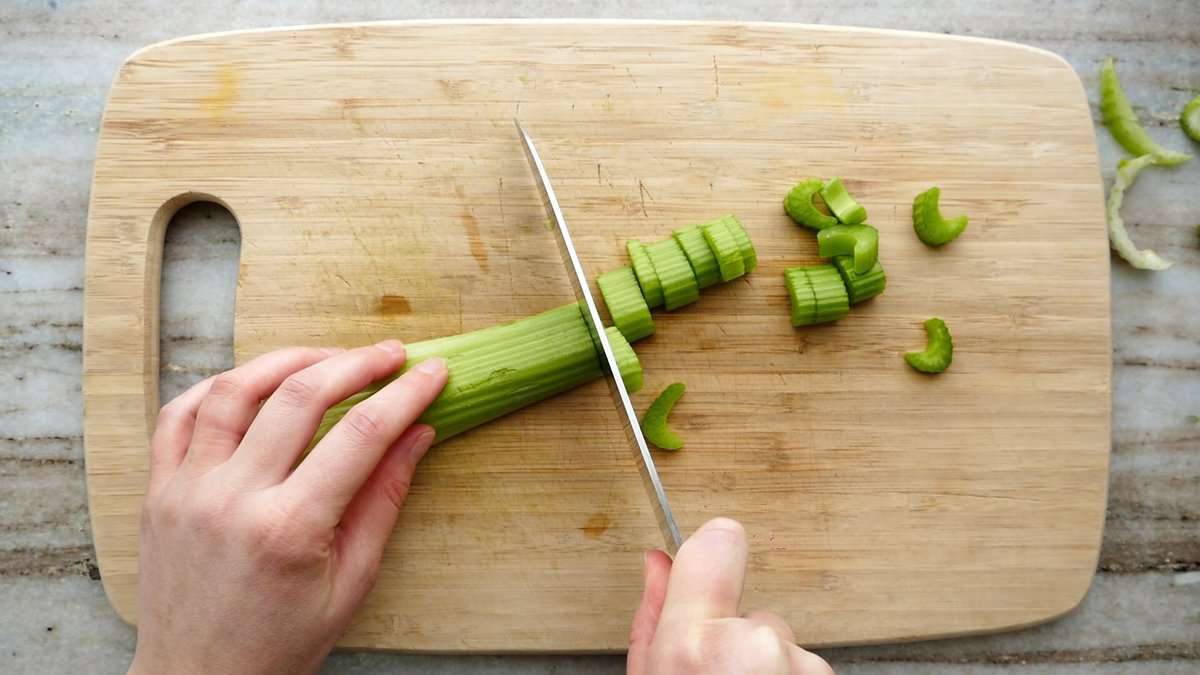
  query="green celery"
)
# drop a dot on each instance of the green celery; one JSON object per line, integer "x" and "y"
{"x": 860, "y": 241}
{"x": 497, "y": 370}
{"x": 939, "y": 349}
{"x": 654, "y": 422}
{"x": 625, "y": 303}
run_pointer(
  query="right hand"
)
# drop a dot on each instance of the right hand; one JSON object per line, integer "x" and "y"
{"x": 688, "y": 622}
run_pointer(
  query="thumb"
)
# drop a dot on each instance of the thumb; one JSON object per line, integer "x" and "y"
{"x": 656, "y": 570}
{"x": 367, "y": 522}
{"x": 707, "y": 576}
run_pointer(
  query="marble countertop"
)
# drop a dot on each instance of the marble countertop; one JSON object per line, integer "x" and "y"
{"x": 57, "y": 59}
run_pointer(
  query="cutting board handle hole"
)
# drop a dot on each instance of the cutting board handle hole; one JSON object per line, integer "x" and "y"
{"x": 200, "y": 256}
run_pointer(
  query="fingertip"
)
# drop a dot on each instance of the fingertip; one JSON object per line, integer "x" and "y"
{"x": 432, "y": 366}
{"x": 804, "y": 662}
{"x": 394, "y": 347}
{"x": 724, "y": 525}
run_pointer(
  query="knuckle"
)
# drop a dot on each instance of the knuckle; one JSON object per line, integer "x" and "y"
{"x": 226, "y": 385}
{"x": 281, "y": 540}
{"x": 168, "y": 413}
{"x": 811, "y": 664}
{"x": 205, "y": 514}
{"x": 695, "y": 653}
{"x": 297, "y": 391}
{"x": 364, "y": 424}
{"x": 395, "y": 488}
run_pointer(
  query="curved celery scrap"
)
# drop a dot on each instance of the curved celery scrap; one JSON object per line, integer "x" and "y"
{"x": 1118, "y": 237}
{"x": 842, "y": 204}
{"x": 1123, "y": 123}
{"x": 1189, "y": 119}
{"x": 860, "y": 241}
{"x": 799, "y": 205}
{"x": 939, "y": 349}
{"x": 932, "y": 229}
{"x": 654, "y": 422}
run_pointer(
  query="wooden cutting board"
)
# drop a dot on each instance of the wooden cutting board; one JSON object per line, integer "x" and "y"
{"x": 381, "y": 191}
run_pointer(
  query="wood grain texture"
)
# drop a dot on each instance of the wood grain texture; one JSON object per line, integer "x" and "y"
{"x": 381, "y": 191}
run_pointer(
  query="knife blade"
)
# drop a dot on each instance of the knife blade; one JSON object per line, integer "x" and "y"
{"x": 616, "y": 387}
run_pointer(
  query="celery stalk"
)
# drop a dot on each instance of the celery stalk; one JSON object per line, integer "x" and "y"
{"x": 497, "y": 370}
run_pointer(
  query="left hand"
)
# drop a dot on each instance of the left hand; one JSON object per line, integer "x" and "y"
{"x": 246, "y": 564}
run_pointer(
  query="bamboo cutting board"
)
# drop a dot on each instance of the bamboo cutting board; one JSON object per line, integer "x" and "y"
{"x": 381, "y": 191}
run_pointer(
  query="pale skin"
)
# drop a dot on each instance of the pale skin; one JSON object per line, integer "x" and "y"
{"x": 252, "y": 564}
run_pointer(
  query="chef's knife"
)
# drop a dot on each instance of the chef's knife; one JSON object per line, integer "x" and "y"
{"x": 566, "y": 246}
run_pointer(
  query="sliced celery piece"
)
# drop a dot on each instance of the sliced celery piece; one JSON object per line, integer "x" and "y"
{"x": 939, "y": 348}
{"x": 930, "y": 226}
{"x": 830, "y": 292}
{"x": 625, "y": 303}
{"x": 497, "y": 370}
{"x": 654, "y": 422}
{"x": 800, "y": 293}
{"x": 643, "y": 269}
{"x": 749, "y": 255}
{"x": 627, "y": 360}
{"x": 817, "y": 294}
{"x": 699, "y": 255}
{"x": 679, "y": 285}
{"x": 799, "y": 205}
{"x": 860, "y": 287}
{"x": 725, "y": 248}
{"x": 1123, "y": 123}
{"x": 848, "y": 211}
{"x": 860, "y": 241}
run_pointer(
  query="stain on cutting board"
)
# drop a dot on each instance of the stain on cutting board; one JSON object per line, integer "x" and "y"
{"x": 217, "y": 103}
{"x": 596, "y": 525}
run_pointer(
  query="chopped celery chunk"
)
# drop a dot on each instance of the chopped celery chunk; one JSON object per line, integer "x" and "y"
{"x": 799, "y": 205}
{"x": 674, "y": 273}
{"x": 643, "y": 269}
{"x": 627, "y": 361}
{"x": 860, "y": 286}
{"x": 817, "y": 294}
{"x": 749, "y": 255}
{"x": 699, "y": 255}
{"x": 842, "y": 204}
{"x": 930, "y": 226}
{"x": 625, "y": 303}
{"x": 939, "y": 349}
{"x": 859, "y": 241}
{"x": 725, "y": 248}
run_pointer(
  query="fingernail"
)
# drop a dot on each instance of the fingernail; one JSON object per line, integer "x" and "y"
{"x": 422, "y": 444}
{"x": 431, "y": 366}
{"x": 391, "y": 346}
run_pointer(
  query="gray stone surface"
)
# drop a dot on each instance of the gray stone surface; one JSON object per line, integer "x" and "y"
{"x": 57, "y": 59}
